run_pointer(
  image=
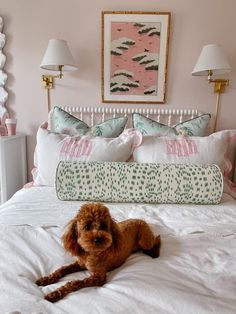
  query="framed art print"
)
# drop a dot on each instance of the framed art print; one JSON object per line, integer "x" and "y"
{"x": 134, "y": 56}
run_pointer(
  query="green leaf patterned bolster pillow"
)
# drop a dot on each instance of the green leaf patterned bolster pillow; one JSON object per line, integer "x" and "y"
{"x": 139, "y": 183}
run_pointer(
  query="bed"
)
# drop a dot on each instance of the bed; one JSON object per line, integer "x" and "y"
{"x": 195, "y": 273}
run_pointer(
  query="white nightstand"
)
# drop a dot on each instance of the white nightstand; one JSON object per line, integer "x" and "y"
{"x": 13, "y": 171}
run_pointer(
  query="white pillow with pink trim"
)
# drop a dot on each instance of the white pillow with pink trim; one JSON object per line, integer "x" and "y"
{"x": 54, "y": 147}
{"x": 231, "y": 151}
{"x": 229, "y": 186}
{"x": 184, "y": 150}
{"x": 218, "y": 148}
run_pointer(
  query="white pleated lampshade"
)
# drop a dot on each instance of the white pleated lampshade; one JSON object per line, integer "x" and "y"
{"x": 58, "y": 53}
{"x": 212, "y": 58}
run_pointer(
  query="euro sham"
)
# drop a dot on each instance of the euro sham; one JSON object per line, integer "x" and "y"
{"x": 185, "y": 150}
{"x": 61, "y": 121}
{"x": 53, "y": 147}
{"x": 192, "y": 127}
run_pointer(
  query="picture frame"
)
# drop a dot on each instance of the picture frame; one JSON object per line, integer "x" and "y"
{"x": 134, "y": 56}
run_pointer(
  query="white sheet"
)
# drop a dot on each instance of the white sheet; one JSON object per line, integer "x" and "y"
{"x": 196, "y": 272}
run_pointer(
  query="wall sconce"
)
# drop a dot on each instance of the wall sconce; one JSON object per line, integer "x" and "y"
{"x": 56, "y": 58}
{"x": 212, "y": 61}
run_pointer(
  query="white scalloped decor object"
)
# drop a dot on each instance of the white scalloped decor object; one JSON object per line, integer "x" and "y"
{"x": 3, "y": 96}
{"x": 2, "y": 40}
{"x": 1, "y": 24}
{"x": 2, "y": 59}
{"x": 3, "y": 76}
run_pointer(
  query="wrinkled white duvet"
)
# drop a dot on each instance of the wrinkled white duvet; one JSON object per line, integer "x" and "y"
{"x": 196, "y": 272}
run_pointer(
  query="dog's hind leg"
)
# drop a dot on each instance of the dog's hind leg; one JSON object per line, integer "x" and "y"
{"x": 155, "y": 250}
{"x": 148, "y": 242}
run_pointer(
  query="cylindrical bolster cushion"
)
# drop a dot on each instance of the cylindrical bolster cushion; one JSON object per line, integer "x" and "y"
{"x": 139, "y": 183}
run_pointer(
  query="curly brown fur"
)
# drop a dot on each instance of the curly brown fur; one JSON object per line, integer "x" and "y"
{"x": 100, "y": 245}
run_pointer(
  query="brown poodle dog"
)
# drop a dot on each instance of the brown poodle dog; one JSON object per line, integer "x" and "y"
{"x": 100, "y": 245}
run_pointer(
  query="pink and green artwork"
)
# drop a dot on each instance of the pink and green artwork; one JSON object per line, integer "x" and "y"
{"x": 134, "y": 59}
{"x": 134, "y": 50}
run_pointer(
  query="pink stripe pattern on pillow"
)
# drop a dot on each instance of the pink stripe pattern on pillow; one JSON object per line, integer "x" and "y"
{"x": 74, "y": 148}
{"x": 181, "y": 148}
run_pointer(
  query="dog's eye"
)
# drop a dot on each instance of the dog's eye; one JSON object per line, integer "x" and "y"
{"x": 87, "y": 227}
{"x": 103, "y": 226}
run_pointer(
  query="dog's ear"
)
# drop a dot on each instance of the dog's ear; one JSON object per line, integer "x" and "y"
{"x": 116, "y": 234}
{"x": 70, "y": 237}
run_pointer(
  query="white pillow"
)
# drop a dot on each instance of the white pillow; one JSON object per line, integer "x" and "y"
{"x": 231, "y": 151}
{"x": 185, "y": 150}
{"x": 54, "y": 147}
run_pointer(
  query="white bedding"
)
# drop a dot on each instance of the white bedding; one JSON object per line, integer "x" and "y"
{"x": 196, "y": 272}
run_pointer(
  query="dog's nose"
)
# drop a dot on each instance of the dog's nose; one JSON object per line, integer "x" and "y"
{"x": 97, "y": 240}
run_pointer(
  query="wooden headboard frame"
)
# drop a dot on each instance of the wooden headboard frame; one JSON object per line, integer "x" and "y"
{"x": 93, "y": 115}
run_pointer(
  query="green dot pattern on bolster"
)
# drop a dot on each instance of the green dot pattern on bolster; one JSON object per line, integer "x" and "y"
{"x": 132, "y": 182}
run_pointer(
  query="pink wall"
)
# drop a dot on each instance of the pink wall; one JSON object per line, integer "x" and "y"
{"x": 30, "y": 24}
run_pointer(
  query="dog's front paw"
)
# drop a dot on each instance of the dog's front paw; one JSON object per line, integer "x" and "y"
{"x": 53, "y": 296}
{"x": 44, "y": 281}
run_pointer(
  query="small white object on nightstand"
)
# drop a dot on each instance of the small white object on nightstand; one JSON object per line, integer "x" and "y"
{"x": 13, "y": 172}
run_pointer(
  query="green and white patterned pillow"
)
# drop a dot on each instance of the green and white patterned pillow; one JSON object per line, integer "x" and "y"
{"x": 61, "y": 121}
{"x": 193, "y": 127}
{"x": 139, "y": 183}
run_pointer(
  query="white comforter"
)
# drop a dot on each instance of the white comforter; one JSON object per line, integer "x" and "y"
{"x": 196, "y": 272}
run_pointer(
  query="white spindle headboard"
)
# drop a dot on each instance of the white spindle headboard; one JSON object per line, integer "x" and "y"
{"x": 93, "y": 115}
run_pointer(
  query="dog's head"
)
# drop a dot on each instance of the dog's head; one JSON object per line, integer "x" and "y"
{"x": 92, "y": 230}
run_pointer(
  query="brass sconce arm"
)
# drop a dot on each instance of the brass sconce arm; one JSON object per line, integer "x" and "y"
{"x": 220, "y": 84}
{"x": 47, "y": 79}
{"x": 48, "y": 83}
{"x": 219, "y": 88}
